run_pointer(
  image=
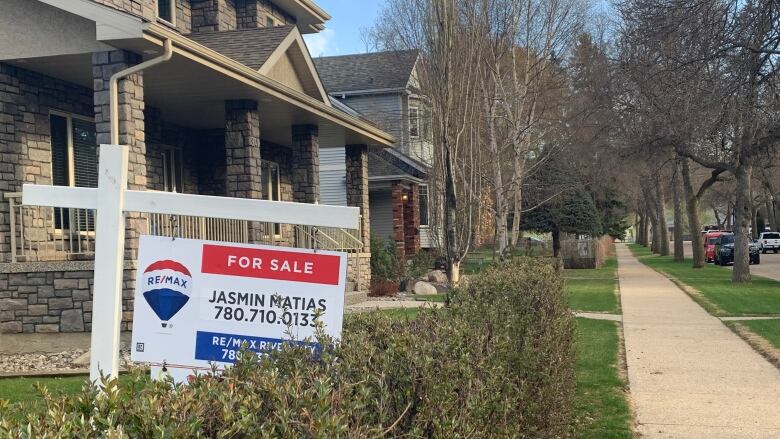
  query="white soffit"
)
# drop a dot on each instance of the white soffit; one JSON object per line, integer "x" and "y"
{"x": 110, "y": 24}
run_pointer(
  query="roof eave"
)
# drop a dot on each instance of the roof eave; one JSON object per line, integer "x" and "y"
{"x": 187, "y": 47}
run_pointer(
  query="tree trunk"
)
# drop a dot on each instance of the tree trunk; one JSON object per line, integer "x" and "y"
{"x": 770, "y": 215}
{"x": 663, "y": 229}
{"x": 655, "y": 244}
{"x": 694, "y": 225}
{"x": 498, "y": 185}
{"x": 556, "y": 236}
{"x": 450, "y": 226}
{"x": 679, "y": 248}
{"x": 517, "y": 194}
{"x": 729, "y": 217}
{"x": 743, "y": 219}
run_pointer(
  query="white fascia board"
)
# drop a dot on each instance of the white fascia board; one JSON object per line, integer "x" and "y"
{"x": 110, "y": 24}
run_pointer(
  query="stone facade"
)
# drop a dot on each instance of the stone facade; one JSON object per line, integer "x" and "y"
{"x": 47, "y": 297}
{"x": 306, "y": 163}
{"x": 359, "y": 270}
{"x": 254, "y": 13}
{"x": 26, "y": 100}
{"x": 412, "y": 220}
{"x": 131, "y": 127}
{"x": 396, "y": 196}
{"x": 213, "y": 15}
{"x": 356, "y": 157}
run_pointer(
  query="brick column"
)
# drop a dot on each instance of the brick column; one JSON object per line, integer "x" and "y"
{"x": 306, "y": 163}
{"x": 356, "y": 157}
{"x": 397, "y": 193}
{"x": 412, "y": 220}
{"x": 131, "y": 127}
{"x": 242, "y": 154}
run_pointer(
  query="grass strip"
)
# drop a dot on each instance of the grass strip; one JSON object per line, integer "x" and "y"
{"x": 715, "y": 290}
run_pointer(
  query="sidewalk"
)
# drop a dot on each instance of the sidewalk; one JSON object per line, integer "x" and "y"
{"x": 690, "y": 376}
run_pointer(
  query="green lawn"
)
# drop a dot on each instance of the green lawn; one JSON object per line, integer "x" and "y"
{"x": 430, "y": 297}
{"x": 22, "y": 390}
{"x": 593, "y": 290}
{"x": 720, "y": 296}
{"x": 600, "y": 402}
{"x": 768, "y": 329}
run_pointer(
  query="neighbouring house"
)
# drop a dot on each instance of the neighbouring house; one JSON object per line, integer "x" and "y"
{"x": 238, "y": 111}
{"x": 383, "y": 87}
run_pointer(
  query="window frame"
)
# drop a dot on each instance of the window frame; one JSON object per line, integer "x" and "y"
{"x": 423, "y": 188}
{"x": 178, "y": 167}
{"x": 172, "y": 21}
{"x": 71, "y": 166}
{"x": 416, "y": 119}
{"x": 270, "y": 21}
{"x": 268, "y": 165}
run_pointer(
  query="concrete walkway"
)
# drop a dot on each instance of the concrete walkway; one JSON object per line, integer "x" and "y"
{"x": 690, "y": 376}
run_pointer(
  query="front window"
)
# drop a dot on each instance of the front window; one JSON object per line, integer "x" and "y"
{"x": 173, "y": 169}
{"x": 713, "y": 241}
{"x": 74, "y": 162}
{"x": 424, "y": 220}
{"x": 414, "y": 122}
{"x": 166, "y": 10}
{"x": 727, "y": 239}
{"x": 269, "y": 177}
{"x": 771, "y": 235}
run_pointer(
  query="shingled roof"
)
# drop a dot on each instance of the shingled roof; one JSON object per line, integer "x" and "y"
{"x": 369, "y": 71}
{"x": 250, "y": 47}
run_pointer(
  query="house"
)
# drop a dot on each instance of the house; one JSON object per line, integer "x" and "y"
{"x": 383, "y": 88}
{"x": 238, "y": 110}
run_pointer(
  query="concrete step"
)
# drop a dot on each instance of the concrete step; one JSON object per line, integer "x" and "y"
{"x": 353, "y": 297}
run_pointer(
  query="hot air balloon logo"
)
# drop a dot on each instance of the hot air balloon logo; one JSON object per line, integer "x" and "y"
{"x": 167, "y": 286}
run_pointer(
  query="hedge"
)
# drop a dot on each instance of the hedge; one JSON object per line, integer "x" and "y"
{"x": 497, "y": 362}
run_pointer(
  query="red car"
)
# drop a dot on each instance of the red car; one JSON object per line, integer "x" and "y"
{"x": 710, "y": 239}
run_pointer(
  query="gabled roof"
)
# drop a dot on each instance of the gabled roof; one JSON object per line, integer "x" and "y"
{"x": 250, "y": 47}
{"x": 367, "y": 72}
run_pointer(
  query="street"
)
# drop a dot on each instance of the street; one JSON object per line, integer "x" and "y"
{"x": 769, "y": 267}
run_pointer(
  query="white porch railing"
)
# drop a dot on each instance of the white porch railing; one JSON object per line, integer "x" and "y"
{"x": 57, "y": 234}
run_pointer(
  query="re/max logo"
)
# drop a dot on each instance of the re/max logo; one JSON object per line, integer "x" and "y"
{"x": 171, "y": 280}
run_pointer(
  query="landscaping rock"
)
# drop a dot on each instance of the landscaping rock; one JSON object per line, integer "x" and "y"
{"x": 437, "y": 276}
{"x": 424, "y": 288}
{"x": 442, "y": 288}
{"x": 407, "y": 285}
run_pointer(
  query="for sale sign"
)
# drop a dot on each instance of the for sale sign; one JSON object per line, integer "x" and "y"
{"x": 197, "y": 303}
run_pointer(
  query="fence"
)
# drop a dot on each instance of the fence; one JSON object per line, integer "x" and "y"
{"x": 585, "y": 253}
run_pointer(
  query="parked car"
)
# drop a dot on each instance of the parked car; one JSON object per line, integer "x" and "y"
{"x": 710, "y": 241}
{"x": 769, "y": 241}
{"x": 724, "y": 250}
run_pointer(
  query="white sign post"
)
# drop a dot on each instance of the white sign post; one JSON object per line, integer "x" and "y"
{"x": 111, "y": 200}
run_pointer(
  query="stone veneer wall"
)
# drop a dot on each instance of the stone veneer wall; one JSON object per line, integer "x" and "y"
{"x": 356, "y": 157}
{"x": 213, "y": 15}
{"x": 412, "y": 220}
{"x": 47, "y": 297}
{"x": 306, "y": 163}
{"x": 359, "y": 270}
{"x": 147, "y": 9}
{"x": 253, "y": 14}
{"x": 26, "y": 98}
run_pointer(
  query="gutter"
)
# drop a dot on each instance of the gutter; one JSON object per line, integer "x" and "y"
{"x": 190, "y": 49}
{"x": 113, "y": 87}
{"x": 378, "y": 91}
{"x": 403, "y": 177}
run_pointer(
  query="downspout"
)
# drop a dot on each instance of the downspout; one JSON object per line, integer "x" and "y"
{"x": 114, "y": 85}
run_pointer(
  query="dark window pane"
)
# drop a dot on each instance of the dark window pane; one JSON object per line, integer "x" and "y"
{"x": 85, "y": 167}
{"x": 164, "y": 10}
{"x": 423, "y": 205}
{"x": 60, "y": 164}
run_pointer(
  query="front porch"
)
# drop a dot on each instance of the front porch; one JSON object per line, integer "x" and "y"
{"x": 191, "y": 127}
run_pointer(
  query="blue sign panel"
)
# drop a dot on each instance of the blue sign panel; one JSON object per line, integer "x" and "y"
{"x": 226, "y": 348}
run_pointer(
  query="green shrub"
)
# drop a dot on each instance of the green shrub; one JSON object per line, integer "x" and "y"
{"x": 497, "y": 363}
{"x": 419, "y": 264}
{"x": 385, "y": 263}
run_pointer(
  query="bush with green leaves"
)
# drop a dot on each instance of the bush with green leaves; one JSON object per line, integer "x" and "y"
{"x": 497, "y": 363}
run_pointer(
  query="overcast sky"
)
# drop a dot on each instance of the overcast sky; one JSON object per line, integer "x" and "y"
{"x": 343, "y": 33}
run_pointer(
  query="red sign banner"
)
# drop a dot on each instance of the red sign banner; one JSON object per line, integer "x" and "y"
{"x": 271, "y": 264}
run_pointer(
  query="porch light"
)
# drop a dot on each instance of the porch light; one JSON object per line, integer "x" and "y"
{"x": 404, "y": 197}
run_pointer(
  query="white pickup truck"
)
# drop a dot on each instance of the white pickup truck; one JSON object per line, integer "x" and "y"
{"x": 769, "y": 241}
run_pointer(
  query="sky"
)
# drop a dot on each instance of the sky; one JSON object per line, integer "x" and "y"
{"x": 343, "y": 33}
